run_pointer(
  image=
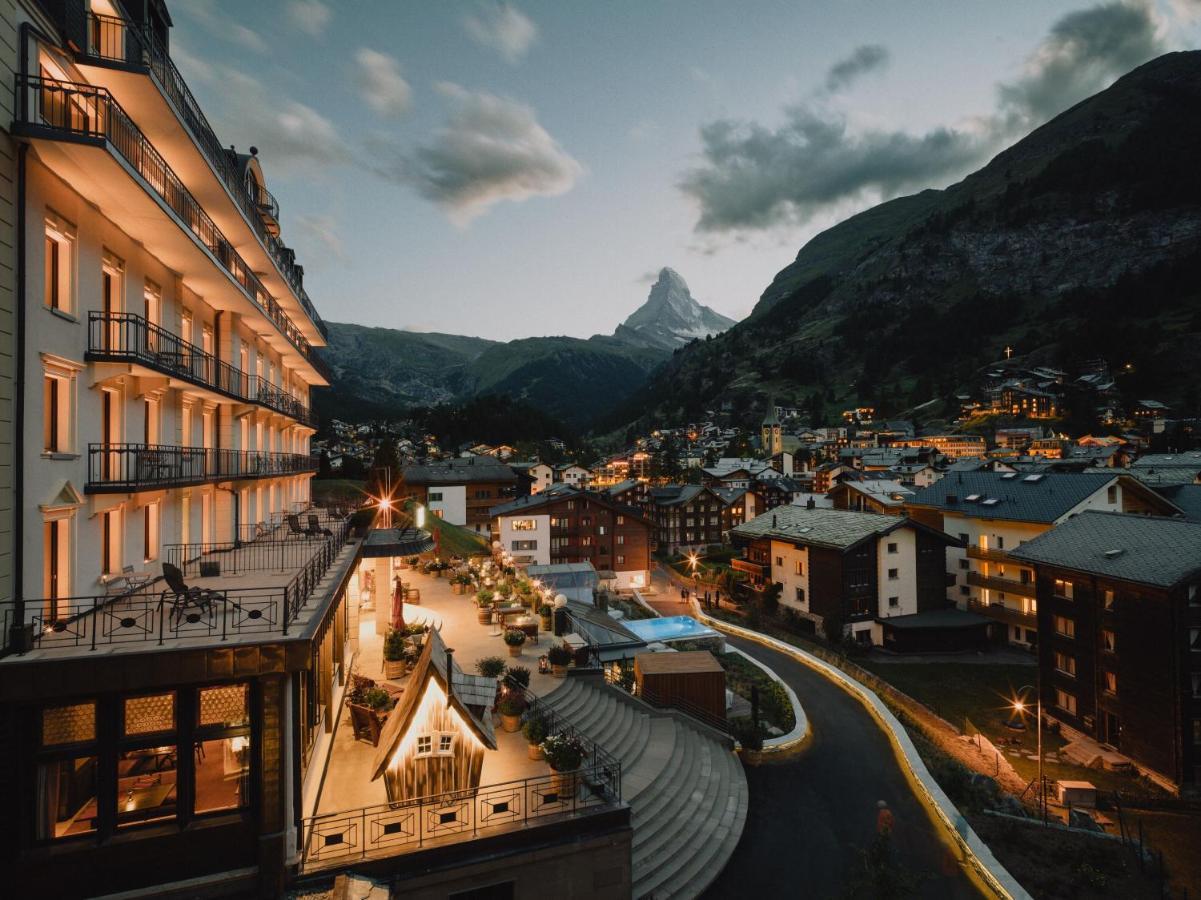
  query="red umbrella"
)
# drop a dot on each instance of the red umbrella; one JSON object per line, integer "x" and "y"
{"x": 398, "y": 605}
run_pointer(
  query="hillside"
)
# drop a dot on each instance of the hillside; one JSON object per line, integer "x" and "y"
{"x": 1082, "y": 240}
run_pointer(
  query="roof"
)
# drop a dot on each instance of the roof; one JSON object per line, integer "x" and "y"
{"x": 558, "y": 492}
{"x": 1186, "y": 497}
{"x": 1040, "y": 497}
{"x": 838, "y": 529}
{"x": 677, "y": 663}
{"x": 382, "y": 542}
{"x": 621, "y": 487}
{"x": 887, "y": 492}
{"x": 469, "y": 693}
{"x": 472, "y": 469}
{"x": 1190, "y": 460}
{"x": 936, "y": 618}
{"x": 1151, "y": 550}
{"x": 600, "y": 628}
{"x": 676, "y": 494}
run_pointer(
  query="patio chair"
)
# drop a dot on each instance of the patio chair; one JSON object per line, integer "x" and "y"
{"x": 366, "y": 724}
{"x": 294, "y": 529}
{"x": 315, "y": 526}
{"x": 183, "y": 597}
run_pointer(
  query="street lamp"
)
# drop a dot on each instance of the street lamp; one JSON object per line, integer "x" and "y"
{"x": 1020, "y": 707}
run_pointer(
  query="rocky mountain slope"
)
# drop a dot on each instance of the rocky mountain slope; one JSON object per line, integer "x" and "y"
{"x": 1082, "y": 240}
{"x": 670, "y": 317}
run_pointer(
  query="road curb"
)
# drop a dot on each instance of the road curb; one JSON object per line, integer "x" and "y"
{"x": 786, "y": 745}
{"x": 982, "y": 865}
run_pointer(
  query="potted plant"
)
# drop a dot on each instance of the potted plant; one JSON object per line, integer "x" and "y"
{"x": 559, "y": 657}
{"x": 565, "y": 752}
{"x": 514, "y": 638}
{"x": 359, "y": 686}
{"x": 490, "y": 666}
{"x": 581, "y": 656}
{"x": 518, "y": 676}
{"x": 535, "y": 729}
{"x": 546, "y": 611}
{"x": 483, "y": 599}
{"x": 510, "y": 708}
{"x": 394, "y": 654}
{"x": 377, "y": 699}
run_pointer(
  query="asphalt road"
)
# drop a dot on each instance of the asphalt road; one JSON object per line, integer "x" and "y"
{"x": 810, "y": 817}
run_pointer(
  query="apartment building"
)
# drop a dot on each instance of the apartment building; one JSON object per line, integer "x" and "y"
{"x": 1119, "y": 600}
{"x": 569, "y": 525}
{"x": 162, "y": 367}
{"x": 993, "y": 513}
{"x": 863, "y": 570}
{"x": 461, "y": 491}
{"x": 687, "y": 517}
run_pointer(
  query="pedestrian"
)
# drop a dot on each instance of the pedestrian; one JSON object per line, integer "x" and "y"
{"x": 883, "y": 818}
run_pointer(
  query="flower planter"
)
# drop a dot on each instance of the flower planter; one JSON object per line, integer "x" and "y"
{"x": 566, "y": 783}
{"x": 459, "y": 588}
{"x": 535, "y": 752}
{"x": 515, "y": 649}
{"x": 546, "y": 624}
{"x": 394, "y": 668}
{"x": 558, "y": 671}
{"x": 511, "y": 724}
{"x": 485, "y": 617}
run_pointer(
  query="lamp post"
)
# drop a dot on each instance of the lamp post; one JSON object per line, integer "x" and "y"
{"x": 1020, "y": 707}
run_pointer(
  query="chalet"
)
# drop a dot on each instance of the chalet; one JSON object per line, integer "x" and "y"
{"x": 992, "y": 513}
{"x": 1119, "y": 600}
{"x": 435, "y": 739}
{"x": 569, "y": 525}
{"x": 858, "y": 569}
{"x": 460, "y": 491}
{"x": 739, "y": 506}
{"x": 773, "y": 492}
{"x": 878, "y": 495}
{"x": 687, "y": 517}
{"x": 572, "y": 474}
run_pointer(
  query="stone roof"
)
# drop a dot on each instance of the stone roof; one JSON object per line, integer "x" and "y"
{"x": 1015, "y": 497}
{"x": 468, "y": 470}
{"x": 838, "y": 529}
{"x": 1150, "y": 550}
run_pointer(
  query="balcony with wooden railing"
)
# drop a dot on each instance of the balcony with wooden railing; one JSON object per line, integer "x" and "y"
{"x": 1005, "y": 614}
{"x": 988, "y": 553}
{"x": 1005, "y": 585}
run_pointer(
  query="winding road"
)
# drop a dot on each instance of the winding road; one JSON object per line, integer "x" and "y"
{"x": 811, "y": 816}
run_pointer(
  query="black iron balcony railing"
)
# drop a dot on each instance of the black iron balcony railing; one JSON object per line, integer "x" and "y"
{"x": 53, "y": 108}
{"x": 128, "y": 337}
{"x": 113, "y": 39}
{"x": 118, "y": 468}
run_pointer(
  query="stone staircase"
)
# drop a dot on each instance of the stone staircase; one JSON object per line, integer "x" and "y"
{"x": 685, "y": 786}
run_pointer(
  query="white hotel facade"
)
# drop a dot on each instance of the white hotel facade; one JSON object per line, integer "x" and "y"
{"x": 166, "y": 349}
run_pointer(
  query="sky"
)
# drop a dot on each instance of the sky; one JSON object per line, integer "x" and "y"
{"x": 518, "y": 169}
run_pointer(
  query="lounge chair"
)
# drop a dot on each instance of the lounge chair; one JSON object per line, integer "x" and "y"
{"x": 315, "y": 526}
{"x": 294, "y": 529}
{"x": 184, "y": 598}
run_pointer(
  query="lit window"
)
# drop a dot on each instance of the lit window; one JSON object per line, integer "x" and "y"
{"x": 799, "y": 568}
{"x": 1065, "y": 664}
{"x": 56, "y": 560}
{"x": 1064, "y": 589}
{"x": 1065, "y": 701}
{"x": 59, "y": 251}
{"x": 525, "y": 525}
{"x": 58, "y": 401}
{"x": 150, "y": 531}
{"x": 1109, "y": 641}
{"x": 1111, "y": 682}
{"x": 1065, "y": 626}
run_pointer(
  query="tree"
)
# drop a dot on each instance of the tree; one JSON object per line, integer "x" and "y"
{"x": 323, "y": 467}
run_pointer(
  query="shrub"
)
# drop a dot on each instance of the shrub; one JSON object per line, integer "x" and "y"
{"x": 514, "y": 637}
{"x": 377, "y": 698}
{"x": 518, "y": 675}
{"x": 747, "y": 734}
{"x": 394, "y": 645}
{"x": 359, "y": 686}
{"x": 511, "y": 705}
{"x": 484, "y": 598}
{"x": 559, "y": 655}
{"x": 536, "y": 728}
{"x": 832, "y": 629}
{"x": 490, "y": 666}
{"x": 564, "y": 751}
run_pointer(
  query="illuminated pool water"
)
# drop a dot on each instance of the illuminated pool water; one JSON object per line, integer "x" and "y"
{"x": 669, "y": 628}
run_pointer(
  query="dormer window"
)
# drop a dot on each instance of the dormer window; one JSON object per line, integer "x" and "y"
{"x": 435, "y": 743}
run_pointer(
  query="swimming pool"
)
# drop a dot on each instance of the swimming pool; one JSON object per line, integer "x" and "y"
{"x": 669, "y": 628}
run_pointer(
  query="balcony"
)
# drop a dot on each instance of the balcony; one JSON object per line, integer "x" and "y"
{"x": 114, "y": 43}
{"x": 82, "y": 114}
{"x": 991, "y": 554}
{"x": 268, "y": 589}
{"x": 1007, "y": 585}
{"x": 129, "y": 338}
{"x": 126, "y": 468}
{"x": 760, "y": 570}
{"x": 1006, "y": 614}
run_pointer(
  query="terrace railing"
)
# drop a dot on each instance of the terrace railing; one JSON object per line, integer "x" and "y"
{"x": 133, "y": 467}
{"x": 56, "y": 109}
{"x": 128, "y": 337}
{"x": 391, "y": 829}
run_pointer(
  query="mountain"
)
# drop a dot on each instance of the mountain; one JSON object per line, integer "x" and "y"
{"x": 379, "y": 372}
{"x": 670, "y": 317}
{"x": 1080, "y": 241}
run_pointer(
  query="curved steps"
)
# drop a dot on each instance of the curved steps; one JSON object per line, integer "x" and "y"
{"x": 686, "y": 789}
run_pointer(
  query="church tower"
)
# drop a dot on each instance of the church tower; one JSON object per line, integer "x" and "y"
{"x": 771, "y": 436}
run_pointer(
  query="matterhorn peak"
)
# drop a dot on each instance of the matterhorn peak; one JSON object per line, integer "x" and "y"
{"x": 670, "y": 317}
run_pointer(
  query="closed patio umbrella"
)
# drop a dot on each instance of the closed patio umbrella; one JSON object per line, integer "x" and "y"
{"x": 398, "y": 605}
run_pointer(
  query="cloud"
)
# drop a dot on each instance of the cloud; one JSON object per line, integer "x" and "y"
{"x": 491, "y": 149}
{"x": 503, "y": 28}
{"x": 323, "y": 231}
{"x": 863, "y": 60}
{"x": 311, "y": 16}
{"x": 383, "y": 87}
{"x": 205, "y": 14}
{"x": 755, "y": 177}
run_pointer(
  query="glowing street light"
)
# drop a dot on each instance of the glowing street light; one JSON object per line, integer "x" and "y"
{"x": 1020, "y": 706}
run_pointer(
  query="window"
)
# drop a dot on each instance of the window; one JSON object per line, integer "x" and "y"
{"x": 619, "y": 559}
{"x": 586, "y": 541}
{"x": 964, "y": 564}
{"x": 1111, "y": 682}
{"x": 800, "y": 595}
{"x": 482, "y": 494}
{"x": 524, "y": 525}
{"x": 1065, "y": 701}
{"x": 1196, "y": 678}
{"x": 59, "y": 250}
{"x": 620, "y": 540}
{"x": 58, "y": 401}
{"x": 435, "y": 497}
{"x": 150, "y": 531}
{"x": 222, "y": 755}
{"x": 892, "y": 547}
{"x": 1194, "y": 597}
{"x": 1000, "y": 541}
{"x": 437, "y": 743}
{"x": 446, "y": 743}
{"x": 110, "y": 542}
{"x": 600, "y": 530}
{"x": 1065, "y": 663}
{"x": 963, "y": 537}
{"x": 1065, "y": 626}
{"x": 1111, "y": 494}
{"x": 799, "y": 567}
{"x": 524, "y": 545}
{"x": 1064, "y": 589}
{"x": 779, "y": 562}
{"x": 56, "y": 560}
{"x": 893, "y": 574}
{"x": 621, "y": 520}
{"x": 1109, "y": 641}
{"x": 894, "y": 602}
{"x": 1194, "y": 639}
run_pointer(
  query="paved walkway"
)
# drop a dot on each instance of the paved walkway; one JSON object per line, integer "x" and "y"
{"x": 811, "y": 816}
